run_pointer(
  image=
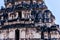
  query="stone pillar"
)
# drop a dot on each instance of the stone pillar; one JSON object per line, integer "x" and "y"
{"x": 12, "y": 34}
{"x": 22, "y": 33}
{"x": 49, "y": 34}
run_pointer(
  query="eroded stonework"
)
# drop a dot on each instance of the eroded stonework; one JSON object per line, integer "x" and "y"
{"x": 27, "y": 20}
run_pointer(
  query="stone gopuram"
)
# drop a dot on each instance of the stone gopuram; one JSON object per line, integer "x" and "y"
{"x": 27, "y": 20}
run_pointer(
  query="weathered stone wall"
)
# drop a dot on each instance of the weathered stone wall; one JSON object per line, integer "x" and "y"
{"x": 26, "y": 33}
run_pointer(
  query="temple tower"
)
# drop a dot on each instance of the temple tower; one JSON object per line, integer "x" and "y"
{"x": 27, "y": 20}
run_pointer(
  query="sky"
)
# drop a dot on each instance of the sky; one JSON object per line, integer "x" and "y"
{"x": 53, "y": 6}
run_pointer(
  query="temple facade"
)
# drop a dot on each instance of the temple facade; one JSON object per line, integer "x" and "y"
{"x": 27, "y": 20}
